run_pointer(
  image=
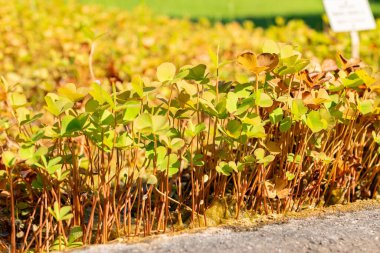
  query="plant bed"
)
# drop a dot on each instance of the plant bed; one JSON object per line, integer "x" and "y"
{"x": 188, "y": 149}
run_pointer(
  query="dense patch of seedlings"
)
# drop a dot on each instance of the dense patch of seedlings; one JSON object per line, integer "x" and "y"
{"x": 189, "y": 149}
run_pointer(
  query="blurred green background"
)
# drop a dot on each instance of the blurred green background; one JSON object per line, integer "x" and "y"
{"x": 262, "y": 12}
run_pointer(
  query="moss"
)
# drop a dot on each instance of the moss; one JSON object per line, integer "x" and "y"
{"x": 218, "y": 212}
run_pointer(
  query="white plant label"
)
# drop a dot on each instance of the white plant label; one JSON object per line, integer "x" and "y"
{"x": 349, "y": 15}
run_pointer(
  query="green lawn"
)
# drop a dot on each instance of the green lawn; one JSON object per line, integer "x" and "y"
{"x": 229, "y": 9}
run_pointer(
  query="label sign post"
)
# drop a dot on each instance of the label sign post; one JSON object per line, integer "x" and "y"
{"x": 350, "y": 16}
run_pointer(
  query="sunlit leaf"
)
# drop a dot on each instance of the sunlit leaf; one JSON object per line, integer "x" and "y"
{"x": 196, "y": 73}
{"x": 365, "y": 106}
{"x": 8, "y": 158}
{"x": 263, "y": 99}
{"x": 352, "y": 81}
{"x": 234, "y": 128}
{"x": 152, "y": 179}
{"x": 290, "y": 176}
{"x": 166, "y": 72}
{"x": 148, "y": 124}
{"x": 276, "y": 116}
{"x": 298, "y": 109}
{"x": 101, "y": 95}
{"x": 132, "y": 109}
{"x": 56, "y": 105}
{"x": 285, "y": 124}
{"x": 71, "y": 92}
{"x": 138, "y": 86}
{"x": 76, "y": 233}
{"x": 315, "y": 122}
{"x": 258, "y": 63}
{"x": 271, "y": 47}
{"x": 70, "y": 124}
{"x": 16, "y": 99}
{"x": 226, "y": 169}
{"x": 231, "y": 103}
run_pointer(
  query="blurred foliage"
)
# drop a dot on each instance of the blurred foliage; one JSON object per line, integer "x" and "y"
{"x": 46, "y": 43}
